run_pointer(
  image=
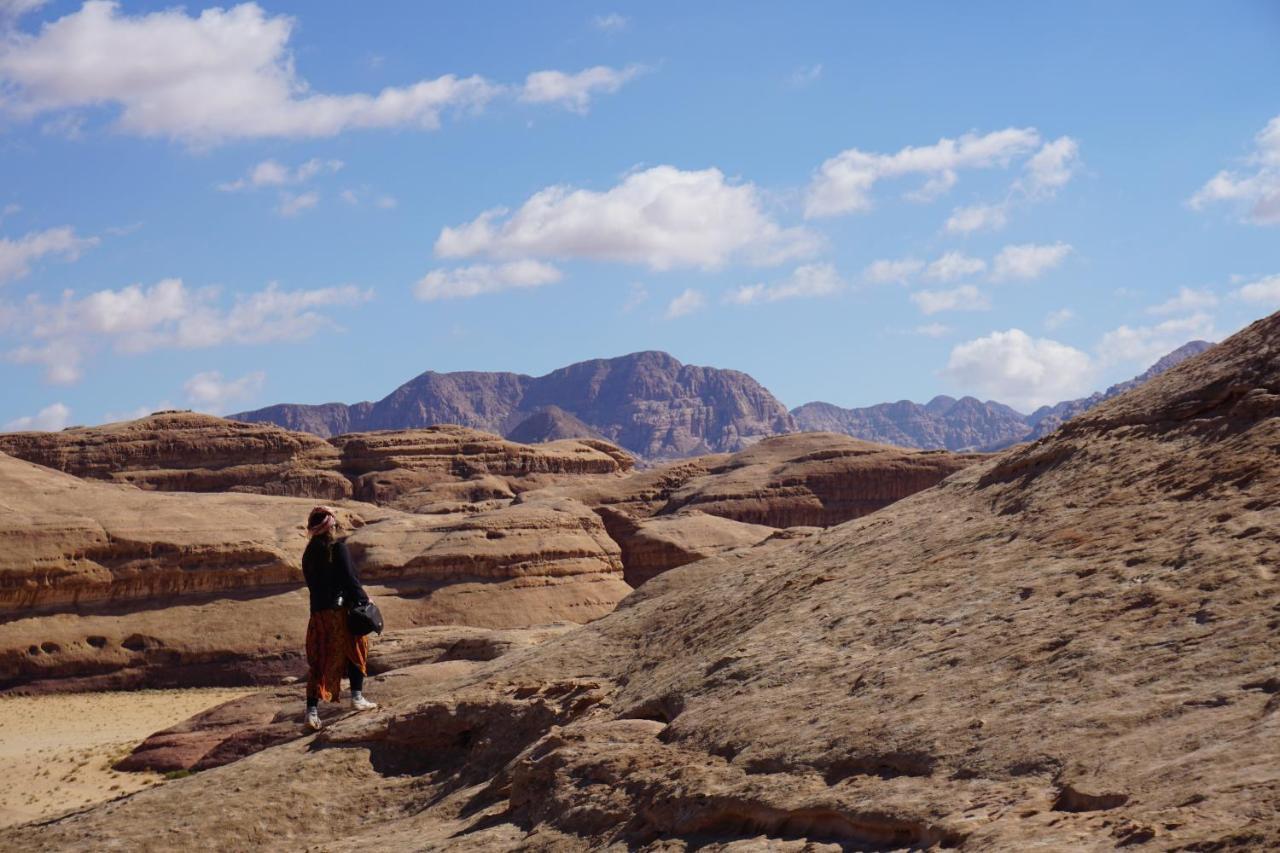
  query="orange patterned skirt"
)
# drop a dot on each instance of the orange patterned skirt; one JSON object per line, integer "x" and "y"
{"x": 330, "y": 648}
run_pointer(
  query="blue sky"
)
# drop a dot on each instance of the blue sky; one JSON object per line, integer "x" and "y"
{"x": 853, "y": 202}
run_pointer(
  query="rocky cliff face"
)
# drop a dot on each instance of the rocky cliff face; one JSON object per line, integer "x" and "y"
{"x": 648, "y": 403}
{"x": 967, "y": 423}
{"x": 1023, "y": 657}
{"x": 189, "y": 452}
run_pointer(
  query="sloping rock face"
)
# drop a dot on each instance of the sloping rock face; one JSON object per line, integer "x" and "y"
{"x": 385, "y": 466}
{"x": 551, "y": 424}
{"x": 648, "y": 403}
{"x": 189, "y": 452}
{"x": 1071, "y": 646}
{"x": 109, "y": 585}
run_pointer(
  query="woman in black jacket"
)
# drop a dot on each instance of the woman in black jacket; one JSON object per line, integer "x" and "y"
{"x": 332, "y": 650}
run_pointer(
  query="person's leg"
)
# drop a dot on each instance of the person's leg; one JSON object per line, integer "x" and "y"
{"x": 356, "y": 677}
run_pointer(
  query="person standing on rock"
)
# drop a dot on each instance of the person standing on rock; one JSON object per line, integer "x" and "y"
{"x": 332, "y": 650}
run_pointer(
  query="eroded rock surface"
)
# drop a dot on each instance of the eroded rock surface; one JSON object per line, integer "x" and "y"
{"x": 1071, "y": 646}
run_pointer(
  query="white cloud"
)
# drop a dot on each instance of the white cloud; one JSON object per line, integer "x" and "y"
{"x": 1058, "y": 319}
{"x": 661, "y": 217}
{"x": 1264, "y": 290}
{"x": 291, "y": 204}
{"x": 933, "y": 330}
{"x": 892, "y": 272}
{"x": 1186, "y": 300}
{"x": 49, "y": 419}
{"x": 137, "y": 319}
{"x": 224, "y": 74}
{"x": 978, "y": 217}
{"x": 610, "y": 23}
{"x": 1143, "y": 345}
{"x": 954, "y": 265}
{"x": 1255, "y": 191}
{"x": 136, "y": 413}
{"x": 805, "y": 75}
{"x": 843, "y": 184}
{"x": 211, "y": 393}
{"x": 1027, "y": 261}
{"x": 637, "y": 296}
{"x": 17, "y": 256}
{"x": 385, "y": 202}
{"x": 11, "y": 10}
{"x": 963, "y": 298}
{"x": 805, "y": 281}
{"x": 686, "y": 303}
{"x": 483, "y": 278}
{"x": 1050, "y": 168}
{"x": 1017, "y": 369}
{"x": 574, "y": 91}
{"x": 270, "y": 173}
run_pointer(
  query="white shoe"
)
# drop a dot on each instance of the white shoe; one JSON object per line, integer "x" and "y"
{"x": 313, "y": 720}
{"x": 359, "y": 703}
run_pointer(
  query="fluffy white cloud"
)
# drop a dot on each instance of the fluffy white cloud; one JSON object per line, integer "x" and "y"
{"x": 270, "y": 173}
{"x": 892, "y": 272}
{"x": 224, "y": 74}
{"x": 210, "y": 392}
{"x": 483, "y": 278}
{"x": 805, "y": 281}
{"x": 1257, "y": 190}
{"x": 978, "y": 217}
{"x": 138, "y": 319}
{"x": 17, "y": 256}
{"x": 1186, "y": 300}
{"x": 932, "y": 330}
{"x": 843, "y": 184}
{"x": 291, "y": 204}
{"x": 686, "y": 303}
{"x": 574, "y": 91}
{"x": 954, "y": 265}
{"x": 1265, "y": 291}
{"x": 1059, "y": 318}
{"x": 610, "y": 23}
{"x": 11, "y": 10}
{"x": 963, "y": 298}
{"x": 1050, "y": 168}
{"x": 1020, "y": 370}
{"x": 49, "y": 419}
{"x": 1141, "y": 346}
{"x": 661, "y": 217}
{"x": 1027, "y": 261}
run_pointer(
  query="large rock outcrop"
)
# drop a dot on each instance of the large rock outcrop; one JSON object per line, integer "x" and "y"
{"x": 104, "y": 584}
{"x": 189, "y": 452}
{"x": 1070, "y": 646}
{"x": 648, "y": 403}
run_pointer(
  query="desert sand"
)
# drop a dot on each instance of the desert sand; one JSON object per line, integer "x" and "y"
{"x": 63, "y": 746}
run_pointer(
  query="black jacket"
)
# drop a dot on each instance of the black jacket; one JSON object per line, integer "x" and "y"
{"x": 331, "y": 574}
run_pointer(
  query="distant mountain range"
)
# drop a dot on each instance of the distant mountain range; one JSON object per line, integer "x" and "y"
{"x": 658, "y": 408}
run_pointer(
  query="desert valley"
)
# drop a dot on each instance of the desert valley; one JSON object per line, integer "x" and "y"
{"x": 662, "y": 427}
{"x": 814, "y": 640}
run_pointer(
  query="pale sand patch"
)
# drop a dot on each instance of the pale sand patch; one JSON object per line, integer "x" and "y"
{"x": 56, "y": 751}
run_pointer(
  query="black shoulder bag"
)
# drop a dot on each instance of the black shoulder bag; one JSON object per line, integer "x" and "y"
{"x": 364, "y": 619}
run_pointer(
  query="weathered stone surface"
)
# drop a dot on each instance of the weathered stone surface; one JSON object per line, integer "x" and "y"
{"x": 1070, "y": 646}
{"x": 106, "y": 584}
{"x": 651, "y": 546}
{"x": 189, "y": 452}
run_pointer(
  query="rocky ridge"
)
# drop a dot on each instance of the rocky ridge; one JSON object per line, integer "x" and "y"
{"x": 1071, "y": 645}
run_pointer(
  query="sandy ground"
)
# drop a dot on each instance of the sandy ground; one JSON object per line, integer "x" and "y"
{"x": 56, "y": 751}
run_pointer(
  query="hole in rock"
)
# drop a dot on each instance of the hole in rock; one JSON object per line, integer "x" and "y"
{"x": 50, "y": 647}
{"x": 96, "y": 642}
{"x": 33, "y": 650}
{"x": 140, "y": 642}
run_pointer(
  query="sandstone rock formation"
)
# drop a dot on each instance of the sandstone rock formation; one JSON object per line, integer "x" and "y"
{"x": 189, "y": 452}
{"x": 550, "y": 424}
{"x": 1070, "y": 646}
{"x": 104, "y": 584}
{"x": 648, "y": 403}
